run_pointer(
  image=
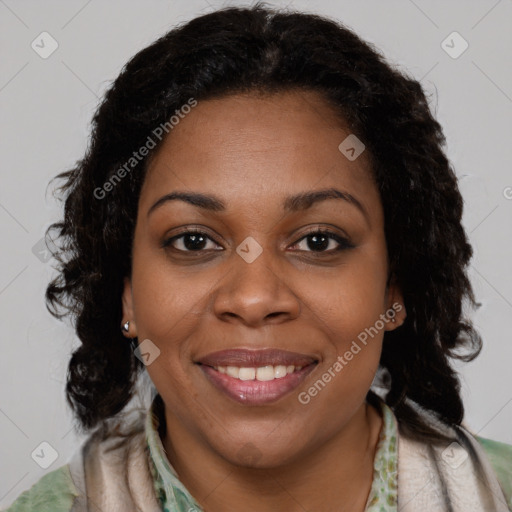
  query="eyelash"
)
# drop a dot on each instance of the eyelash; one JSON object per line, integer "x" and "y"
{"x": 343, "y": 242}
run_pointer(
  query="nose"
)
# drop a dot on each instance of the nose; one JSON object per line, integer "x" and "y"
{"x": 255, "y": 294}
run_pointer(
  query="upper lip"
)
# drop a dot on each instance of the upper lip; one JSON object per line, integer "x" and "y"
{"x": 246, "y": 358}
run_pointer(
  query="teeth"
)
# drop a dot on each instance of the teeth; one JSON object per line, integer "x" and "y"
{"x": 263, "y": 373}
{"x": 279, "y": 371}
{"x": 232, "y": 371}
{"x": 247, "y": 373}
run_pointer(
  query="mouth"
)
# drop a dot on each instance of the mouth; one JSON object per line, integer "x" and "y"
{"x": 256, "y": 377}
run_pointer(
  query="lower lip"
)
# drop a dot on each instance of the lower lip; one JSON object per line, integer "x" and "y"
{"x": 256, "y": 392}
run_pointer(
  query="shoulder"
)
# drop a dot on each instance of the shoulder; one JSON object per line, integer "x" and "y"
{"x": 104, "y": 451}
{"x": 53, "y": 492}
{"x": 500, "y": 457}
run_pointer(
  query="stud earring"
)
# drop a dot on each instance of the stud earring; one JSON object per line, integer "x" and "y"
{"x": 126, "y": 326}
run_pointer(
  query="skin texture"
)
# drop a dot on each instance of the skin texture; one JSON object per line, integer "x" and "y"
{"x": 251, "y": 152}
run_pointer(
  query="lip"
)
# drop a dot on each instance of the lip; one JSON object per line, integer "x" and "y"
{"x": 255, "y": 392}
{"x": 255, "y": 358}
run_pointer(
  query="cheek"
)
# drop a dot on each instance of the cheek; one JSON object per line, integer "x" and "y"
{"x": 348, "y": 307}
{"x": 167, "y": 302}
{"x": 349, "y": 313}
{"x": 352, "y": 298}
{"x": 167, "y": 310}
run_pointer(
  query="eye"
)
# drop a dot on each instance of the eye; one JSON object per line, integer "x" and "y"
{"x": 323, "y": 241}
{"x": 319, "y": 241}
{"x": 190, "y": 241}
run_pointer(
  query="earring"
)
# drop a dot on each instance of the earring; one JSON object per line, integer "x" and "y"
{"x": 126, "y": 326}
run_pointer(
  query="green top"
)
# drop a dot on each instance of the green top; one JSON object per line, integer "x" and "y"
{"x": 55, "y": 491}
{"x": 500, "y": 457}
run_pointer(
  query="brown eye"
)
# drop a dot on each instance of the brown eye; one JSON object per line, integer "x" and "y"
{"x": 190, "y": 241}
{"x": 323, "y": 241}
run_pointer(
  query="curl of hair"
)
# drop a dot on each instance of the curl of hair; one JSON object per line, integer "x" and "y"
{"x": 263, "y": 50}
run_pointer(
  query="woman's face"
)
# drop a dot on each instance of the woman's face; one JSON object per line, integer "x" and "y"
{"x": 258, "y": 288}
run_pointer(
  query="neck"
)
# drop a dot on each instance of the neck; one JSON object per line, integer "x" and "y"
{"x": 336, "y": 475}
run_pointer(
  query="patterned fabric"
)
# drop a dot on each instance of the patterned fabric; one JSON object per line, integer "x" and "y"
{"x": 174, "y": 497}
{"x": 383, "y": 495}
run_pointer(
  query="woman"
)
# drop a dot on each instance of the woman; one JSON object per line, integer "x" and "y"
{"x": 267, "y": 213}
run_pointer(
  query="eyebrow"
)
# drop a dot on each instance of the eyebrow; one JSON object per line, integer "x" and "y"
{"x": 297, "y": 202}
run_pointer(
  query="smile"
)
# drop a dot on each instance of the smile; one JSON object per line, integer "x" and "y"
{"x": 256, "y": 377}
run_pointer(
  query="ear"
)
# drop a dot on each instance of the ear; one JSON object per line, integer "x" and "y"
{"x": 395, "y": 307}
{"x": 128, "y": 313}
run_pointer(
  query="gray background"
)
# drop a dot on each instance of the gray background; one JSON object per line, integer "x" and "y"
{"x": 46, "y": 107}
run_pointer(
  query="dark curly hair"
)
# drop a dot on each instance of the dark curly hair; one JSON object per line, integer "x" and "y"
{"x": 261, "y": 49}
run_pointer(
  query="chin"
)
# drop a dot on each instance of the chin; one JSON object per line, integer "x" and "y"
{"x": 262, "y": 454}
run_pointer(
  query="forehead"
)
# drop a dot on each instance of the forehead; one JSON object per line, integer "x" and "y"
{"x": 256, "y": 147}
